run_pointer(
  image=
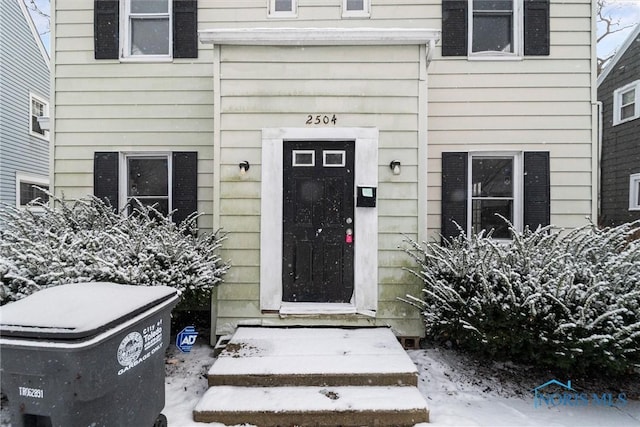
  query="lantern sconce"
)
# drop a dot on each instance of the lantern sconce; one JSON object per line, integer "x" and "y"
{"x": 395, "y": 167}
{"x": 244, "y": 167}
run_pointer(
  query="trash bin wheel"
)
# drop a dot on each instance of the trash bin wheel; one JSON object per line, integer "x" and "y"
{"x": 161, "y": 421}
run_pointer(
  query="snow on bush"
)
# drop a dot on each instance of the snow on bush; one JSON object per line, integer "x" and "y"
{"x": 564, "y": 301}
{"x": 86, "y": 240}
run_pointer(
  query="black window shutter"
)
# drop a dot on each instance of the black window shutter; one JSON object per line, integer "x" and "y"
{"x": 536, "y": 27}
{"x": 537, "y": 192}
{"x": 454, "y": 27}
{"x": 105, "y": 177}
{"x": 106, "y": 28}
{"x": 185, "y": 28}
{"x": 184, "y": 184}
{"x": 454, "y": 193}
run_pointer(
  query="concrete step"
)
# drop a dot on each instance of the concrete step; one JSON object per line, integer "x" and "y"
{"x": 312, "y": 406}
{"x": 269, "y": 357}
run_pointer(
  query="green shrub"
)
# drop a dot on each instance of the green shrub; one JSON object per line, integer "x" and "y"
{"x": 86, "y": 240}
{"x": 563, "y": 301}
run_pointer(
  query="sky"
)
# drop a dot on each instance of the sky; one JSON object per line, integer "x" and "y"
{"x": 627, "y": 11}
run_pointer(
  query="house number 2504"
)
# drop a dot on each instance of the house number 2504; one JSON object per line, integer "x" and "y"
{"x": 320, "y": 119}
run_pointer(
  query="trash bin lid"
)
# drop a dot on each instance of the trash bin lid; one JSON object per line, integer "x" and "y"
{"x": 77, "y": 311}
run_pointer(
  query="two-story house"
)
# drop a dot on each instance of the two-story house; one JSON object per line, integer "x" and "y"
{"x": 24, "y": 97}
{"x": 318, "y": 133}
{"x": 619, "y": 93}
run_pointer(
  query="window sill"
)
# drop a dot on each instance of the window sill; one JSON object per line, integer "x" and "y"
{"x": 621, "y": 122}
{"x": 151, "y": 59}
{"x": 39, "y": 136}
{"x": 494, "y": 58}
{"x": 356, "y": 15}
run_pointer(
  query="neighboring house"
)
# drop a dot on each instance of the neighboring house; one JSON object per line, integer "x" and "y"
{"x": 24, "y": 96}
{"x": 619, "y": 93}
{"x": 317, "y": 134}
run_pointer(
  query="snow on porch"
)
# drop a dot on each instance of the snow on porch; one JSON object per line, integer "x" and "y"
{"x": 315, "y": 351}
{"x": 313, "y": 377}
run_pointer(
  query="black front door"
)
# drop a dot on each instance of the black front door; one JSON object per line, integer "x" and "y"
{"x": 318, "y": 221}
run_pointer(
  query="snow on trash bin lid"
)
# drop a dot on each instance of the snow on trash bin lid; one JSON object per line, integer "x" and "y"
{"x": 80, "y": 310}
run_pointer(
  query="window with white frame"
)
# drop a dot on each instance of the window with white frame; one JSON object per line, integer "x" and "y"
{"x": 30, "y": 188}
{"x": 494, "y": 191}
{"x": 356, "y": 8}
{"x": 147, "y": 181}
{"x": 634, "y": 192}
{"x": 147, "y": 29}
{"x": 38, "y": 107}
{"x": 494, "y": 27}
{"x": 626, "y": 102}
{"x": 283, "y": 8}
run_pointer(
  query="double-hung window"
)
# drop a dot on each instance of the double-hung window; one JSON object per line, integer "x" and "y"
{"x": 478, "y": 188}
{"x": 495, "y": 29}
{"x": 634, "y": 192}
{"x": 146, "y": 181}
{"x": 494, "y": 193}
{"x": 38, "y": 108}
{"x": 356, "y": 8}
{"x": 147, "y": 29}
{"x": 283, "y": 8}
{"x": 494, "y": 25}
{"x": 30, "y": 188}
{"x": 626, "y": 102}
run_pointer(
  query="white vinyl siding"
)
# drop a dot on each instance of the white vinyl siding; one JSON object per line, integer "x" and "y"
{"x": 537, "y": 104}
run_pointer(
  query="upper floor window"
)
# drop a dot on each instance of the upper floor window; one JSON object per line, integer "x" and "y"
{"x": 493, "y": 27}
{"x": 147, "y": 28}
{"x": 38, "y": 107}
{"x": 626, "y": 102}
{"x": 356, "y": 8}
{"x": 283, "y": 8}
{"x": 634, "y": 192}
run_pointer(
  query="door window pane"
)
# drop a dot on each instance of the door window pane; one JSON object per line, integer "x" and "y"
{"x": 333, "y": 158}
{"x": 304, "y": 158}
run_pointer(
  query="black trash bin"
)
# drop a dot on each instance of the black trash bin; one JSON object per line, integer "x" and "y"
{"x": 87, "y": 354}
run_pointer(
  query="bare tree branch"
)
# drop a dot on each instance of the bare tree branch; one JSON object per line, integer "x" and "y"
{"x": 33, "y": 6}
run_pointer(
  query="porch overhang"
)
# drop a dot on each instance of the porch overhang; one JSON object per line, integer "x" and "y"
{"x": 322, "y": 37}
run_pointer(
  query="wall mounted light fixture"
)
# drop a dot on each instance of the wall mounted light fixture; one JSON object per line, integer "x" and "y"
{"x": 395, "y": 167}
{"x": 244, "y": 167}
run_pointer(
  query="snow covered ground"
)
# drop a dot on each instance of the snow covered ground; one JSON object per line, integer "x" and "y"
{"x": 459, "y": 391}
{"x": 459, "y": 394}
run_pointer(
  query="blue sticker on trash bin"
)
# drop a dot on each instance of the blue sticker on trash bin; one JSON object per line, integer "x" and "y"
{"x": 186, "y": 339}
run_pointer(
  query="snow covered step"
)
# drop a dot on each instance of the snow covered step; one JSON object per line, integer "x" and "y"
{"x": 313, "y": 406}
{"x": 313, "y": 357}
